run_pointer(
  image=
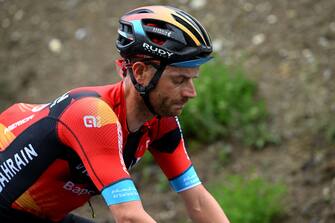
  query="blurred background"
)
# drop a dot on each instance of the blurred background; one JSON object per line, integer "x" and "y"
{"x": 261, "y": 132}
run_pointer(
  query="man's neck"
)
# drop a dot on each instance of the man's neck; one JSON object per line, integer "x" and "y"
{"x": 137, "y": 112}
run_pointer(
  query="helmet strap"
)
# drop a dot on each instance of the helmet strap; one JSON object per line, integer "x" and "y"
{"x": 145, "y": 90}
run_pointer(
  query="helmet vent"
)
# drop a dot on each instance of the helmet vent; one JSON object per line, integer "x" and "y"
{"x": 196, "y": 24}
{"x": 156, "y": 37}
{"x": 125, "y": 34}
{"x": 139, "y": 11}
{"x": 123, "y": 41}
{"x": 188, "y": 18}
{"x": 126, "y": 28}
{"x": 189, "y": 27}
{"x": 204, "y": 33}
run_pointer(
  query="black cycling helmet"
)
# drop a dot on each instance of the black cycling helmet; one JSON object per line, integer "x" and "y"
{"x": 162, "y": 33}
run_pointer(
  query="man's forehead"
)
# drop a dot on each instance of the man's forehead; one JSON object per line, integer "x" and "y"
{"x": 179, "y": 71}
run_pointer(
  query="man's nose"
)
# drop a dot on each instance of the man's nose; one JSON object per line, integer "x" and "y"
{"x": 189, "y": 90}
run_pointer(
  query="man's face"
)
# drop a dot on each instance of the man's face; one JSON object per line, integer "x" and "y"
{"x": 173, "y": 90}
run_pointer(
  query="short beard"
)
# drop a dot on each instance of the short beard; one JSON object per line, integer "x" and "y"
{"x": 164, "y": 109}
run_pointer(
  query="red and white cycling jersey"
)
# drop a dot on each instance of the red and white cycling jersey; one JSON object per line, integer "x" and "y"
{"x": 55, "y": 156}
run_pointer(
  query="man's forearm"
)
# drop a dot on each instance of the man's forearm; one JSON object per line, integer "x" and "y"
{"x": 202, "y": 207}
{"x": 130, "y": 212}
{"x": 138, "y": 217}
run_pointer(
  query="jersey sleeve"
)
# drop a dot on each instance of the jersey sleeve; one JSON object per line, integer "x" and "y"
{"x": 169, "y": 152}
{"x": 90, "y": 127}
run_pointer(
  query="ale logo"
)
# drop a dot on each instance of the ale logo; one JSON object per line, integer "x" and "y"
{"x": 91, "y": 121}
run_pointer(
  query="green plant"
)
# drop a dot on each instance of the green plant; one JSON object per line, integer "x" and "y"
{"x": 249, "y": 200}
{"x": 330, "y": 131}
{"x": 226, "y": 106}
{"x": 162, "y": 184}
{"x": 147, "y": 172}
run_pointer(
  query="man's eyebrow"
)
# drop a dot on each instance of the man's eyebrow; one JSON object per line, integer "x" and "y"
{"x": 187, "y": 75}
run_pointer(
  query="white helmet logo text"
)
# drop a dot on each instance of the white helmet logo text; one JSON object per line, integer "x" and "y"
{"x": 156, "y": 50}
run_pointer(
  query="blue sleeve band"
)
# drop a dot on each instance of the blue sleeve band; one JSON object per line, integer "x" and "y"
{"x": 120, "y": 192}
{"x": 185, "y": 181}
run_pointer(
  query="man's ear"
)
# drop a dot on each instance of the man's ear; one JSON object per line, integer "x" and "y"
{"x": 141, "y": 73}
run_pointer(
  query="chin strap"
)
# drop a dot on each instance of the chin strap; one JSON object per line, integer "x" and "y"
{"x": 145, "y": 90}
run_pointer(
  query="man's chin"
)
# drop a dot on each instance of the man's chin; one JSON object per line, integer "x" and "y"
{"x": 179, "y": 112}
{"x": 172, "y": 113}
{"x": 176, "y": 112}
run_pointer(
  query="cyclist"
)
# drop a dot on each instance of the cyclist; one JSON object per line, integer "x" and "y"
{"x": 55, "y": 156}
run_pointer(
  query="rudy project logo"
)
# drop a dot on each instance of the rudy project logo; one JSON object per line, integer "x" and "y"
{"x": 156, "y": 50}
{"x": 91, "y": 121}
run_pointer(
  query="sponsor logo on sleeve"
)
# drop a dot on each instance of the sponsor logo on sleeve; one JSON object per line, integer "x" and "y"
{"x": 91, "y": 121}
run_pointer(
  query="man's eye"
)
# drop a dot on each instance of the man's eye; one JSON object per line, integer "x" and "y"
{"x": 179, "y": 80}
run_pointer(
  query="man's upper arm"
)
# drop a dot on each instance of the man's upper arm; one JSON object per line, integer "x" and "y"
{"x": 90, "y": 127}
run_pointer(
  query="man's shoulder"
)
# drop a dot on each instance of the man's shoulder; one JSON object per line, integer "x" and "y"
{"x": 96, "y": 99}
{"x": 111, "y": 94}
{"x": 102, "y": 90}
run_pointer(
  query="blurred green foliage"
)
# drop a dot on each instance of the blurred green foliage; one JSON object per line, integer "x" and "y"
{"x": 330, "y": 130}
{"x": 249, "y": 200}
{"x": 226, "y": 106}
{"x": 149, "y": 172}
